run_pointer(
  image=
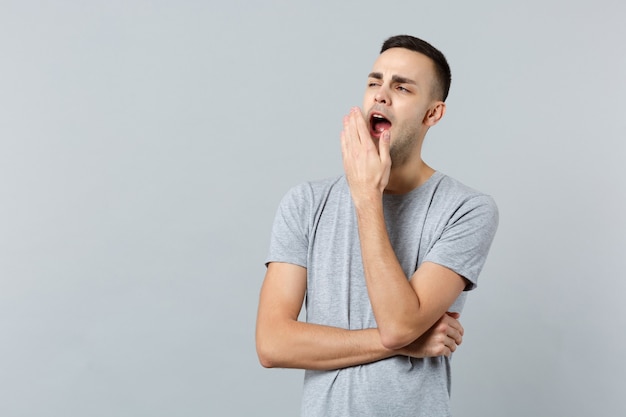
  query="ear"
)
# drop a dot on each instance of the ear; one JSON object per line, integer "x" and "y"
{"x": 435, "y": 113}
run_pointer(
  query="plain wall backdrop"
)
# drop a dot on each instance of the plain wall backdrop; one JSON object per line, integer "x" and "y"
{"x": 145, "y": 145}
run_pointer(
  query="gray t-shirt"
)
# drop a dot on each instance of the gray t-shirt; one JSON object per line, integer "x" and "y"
{"x": 442, "y": 221}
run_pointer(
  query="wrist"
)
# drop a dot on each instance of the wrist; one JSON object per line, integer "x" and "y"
{"x": 365, "y": 201}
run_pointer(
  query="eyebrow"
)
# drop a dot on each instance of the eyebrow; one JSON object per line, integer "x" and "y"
{"x": 395, "y": 78}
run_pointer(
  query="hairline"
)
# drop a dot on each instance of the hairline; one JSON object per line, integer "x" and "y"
{"x": 441, "y": 68}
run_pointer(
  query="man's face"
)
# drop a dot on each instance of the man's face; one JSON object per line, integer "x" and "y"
{"x": 398, "y": 97}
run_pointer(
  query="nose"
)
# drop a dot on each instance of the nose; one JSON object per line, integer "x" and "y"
{"x": 382, "y": 96}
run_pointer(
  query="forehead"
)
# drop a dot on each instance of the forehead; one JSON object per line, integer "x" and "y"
{"x": 404, "y": 63}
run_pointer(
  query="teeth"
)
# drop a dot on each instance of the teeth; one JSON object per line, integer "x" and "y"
{"x": 377, "y": 116}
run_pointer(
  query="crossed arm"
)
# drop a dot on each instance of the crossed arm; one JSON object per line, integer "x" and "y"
{"x": 284, "y": 342}
{"x": 410, "y": 314}
{"x": 404, "y": 309}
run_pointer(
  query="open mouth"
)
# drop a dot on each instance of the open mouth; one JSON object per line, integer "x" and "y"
{"x": 378, "y": 124}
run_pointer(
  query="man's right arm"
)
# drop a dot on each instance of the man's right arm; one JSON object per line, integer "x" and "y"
{"x": 284, "y": 342}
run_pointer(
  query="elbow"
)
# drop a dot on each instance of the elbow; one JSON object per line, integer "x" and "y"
{"x": 266, "y": 353}
{"x": 394, "y": 343}
{"x": 266, "y": 360}
{"x": 395, "y": 339}
{"x": 272, "y": 347}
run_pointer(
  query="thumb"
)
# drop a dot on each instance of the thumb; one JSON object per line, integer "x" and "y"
{"x": 383, "y": 146}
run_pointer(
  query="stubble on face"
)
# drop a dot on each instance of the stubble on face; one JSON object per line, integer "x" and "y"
{"x": 400, "y": 66}
{"x": 399, "y": 151}
{"x": 403, "y": 139}
{"x": 403, "y": 142}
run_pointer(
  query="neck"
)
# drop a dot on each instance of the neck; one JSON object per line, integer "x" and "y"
{"x": 408, "y": 177}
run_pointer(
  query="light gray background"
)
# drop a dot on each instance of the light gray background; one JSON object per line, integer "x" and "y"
{"x": 144, "y": 146}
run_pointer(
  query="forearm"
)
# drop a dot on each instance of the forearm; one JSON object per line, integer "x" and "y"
{"x": 295, "y": 344}
{"x": 395, "y": 304}
{"x": 283, "y": 341}
{"x": 395, "y": 301}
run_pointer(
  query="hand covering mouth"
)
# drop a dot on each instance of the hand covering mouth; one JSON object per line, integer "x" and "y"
{"x": 378, "y": 124}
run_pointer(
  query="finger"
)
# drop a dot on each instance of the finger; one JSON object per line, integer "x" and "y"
{"x": 452, "y": 321}
{"x": 383, "y": 148}
{"x": 362, "y": 128}
{"x": 354, "y": 124}
{"x": 450, "y": 330}
{"x": 346, "y": 137}
{"x": 455, "y": 335}
{"x": 344, "y": 146}
{"x": 451, "y": 344}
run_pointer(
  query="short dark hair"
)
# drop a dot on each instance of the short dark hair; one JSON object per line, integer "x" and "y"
{"x": 442, "y": 69}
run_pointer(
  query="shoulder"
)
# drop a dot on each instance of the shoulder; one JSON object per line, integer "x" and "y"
{"x": 466, "y": 221}
{"x": 295, "y": 218}
{"x": 313, "y": 192}
{"x": 455, "y": 194}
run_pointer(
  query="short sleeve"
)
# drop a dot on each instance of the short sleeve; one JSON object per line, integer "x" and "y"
{"x": 466, "y": 239}
{"x": 290, "y": 234}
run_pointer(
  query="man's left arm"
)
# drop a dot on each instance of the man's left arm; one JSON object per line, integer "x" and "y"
{"x": 404, "y": 310}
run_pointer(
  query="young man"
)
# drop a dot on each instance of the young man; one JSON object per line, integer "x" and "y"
{"x": 383, "y": 255}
